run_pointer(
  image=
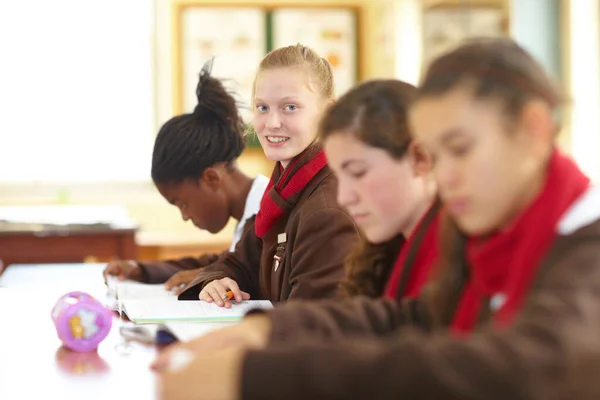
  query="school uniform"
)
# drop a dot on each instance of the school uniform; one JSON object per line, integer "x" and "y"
{"x": 398, "y": 268}
{"x": 524, "y": 324}
{"x": 296, "y": 245}
{"x": 161, "y": 271}
{"x": 416, "y": 258}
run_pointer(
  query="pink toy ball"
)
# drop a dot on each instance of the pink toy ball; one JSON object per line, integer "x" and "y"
{"x": 81, "y": 321}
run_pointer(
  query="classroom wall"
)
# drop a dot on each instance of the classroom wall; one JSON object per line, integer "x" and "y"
{"x": 537, "y": 26}
{"x": 390, "y": 40}
{"x": 377, "y": 26}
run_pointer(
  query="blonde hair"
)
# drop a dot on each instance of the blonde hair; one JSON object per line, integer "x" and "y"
{"x": 300, "y": 56}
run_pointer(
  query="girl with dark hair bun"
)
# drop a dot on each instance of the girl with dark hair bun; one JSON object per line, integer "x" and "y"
{"x": 194, "y": 168}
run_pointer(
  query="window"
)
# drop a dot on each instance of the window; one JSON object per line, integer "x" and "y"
{"x": 76, "y": 91}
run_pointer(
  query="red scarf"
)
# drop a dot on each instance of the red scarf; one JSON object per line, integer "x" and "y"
{"x": 503, "y": 265}
{"x": 407, "y": 279}
{"x": 285, "y": 187}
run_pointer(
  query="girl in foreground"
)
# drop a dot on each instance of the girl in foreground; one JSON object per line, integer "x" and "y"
{"x": 515, "y": 310}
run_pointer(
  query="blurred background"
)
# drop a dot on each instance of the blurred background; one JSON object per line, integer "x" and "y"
{"x": 85, "y": 86}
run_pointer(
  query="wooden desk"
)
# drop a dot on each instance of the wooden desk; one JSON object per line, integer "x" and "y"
{"x": 66, "y": 234}
{"x": 33, "y": 364}
{"x": 67, "y": 245}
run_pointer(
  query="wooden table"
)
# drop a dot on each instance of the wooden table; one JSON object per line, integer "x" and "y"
{"x": 66, "y": 234}
{"x": 34, "y": 365}
{"x": 67, "y": 245}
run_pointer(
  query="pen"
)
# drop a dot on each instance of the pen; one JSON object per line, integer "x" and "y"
{"x": 228, "y": 295}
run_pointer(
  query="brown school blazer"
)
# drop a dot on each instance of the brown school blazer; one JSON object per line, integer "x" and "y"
{"x": 312, "y": 241}
{"x": 552, "y": 350}
{"x": 161, "y": 271}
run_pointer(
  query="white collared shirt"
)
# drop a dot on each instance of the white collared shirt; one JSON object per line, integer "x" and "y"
{"x": 252, "y": 206}
{"x": 584, "y": 211}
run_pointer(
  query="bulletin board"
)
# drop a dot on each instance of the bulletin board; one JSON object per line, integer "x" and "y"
{"x": 331, "y": 32}
{"x": 447, "y": 24}
{"x": 234, "y": 37}
{"x": 238, "y": 37}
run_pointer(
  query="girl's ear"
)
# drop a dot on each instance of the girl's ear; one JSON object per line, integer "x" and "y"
{"x": 211, "y": 177}
{"x": 419, "y": 159}
{"x": 537, "y": 127}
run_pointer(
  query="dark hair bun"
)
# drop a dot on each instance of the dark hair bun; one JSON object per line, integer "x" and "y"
{"x": 188, "y": 144}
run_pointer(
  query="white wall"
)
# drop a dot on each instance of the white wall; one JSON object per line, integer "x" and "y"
{"x": 535, "y": 25}
{"x": 583, "y": 81}
{"x": 408, "y": 37}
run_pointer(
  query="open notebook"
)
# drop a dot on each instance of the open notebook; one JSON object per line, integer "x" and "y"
{"x": 151, "y": 303}
{"x": 164, "y": 310}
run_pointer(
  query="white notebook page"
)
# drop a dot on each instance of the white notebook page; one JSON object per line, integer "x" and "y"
{"x": 129, "y": 289}
{"x": 152, "y": 310}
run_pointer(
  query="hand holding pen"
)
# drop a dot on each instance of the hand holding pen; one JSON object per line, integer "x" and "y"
{"x": 222, "y": 292}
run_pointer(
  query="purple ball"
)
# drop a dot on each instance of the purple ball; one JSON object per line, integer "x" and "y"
{"x": 81, "y": 321}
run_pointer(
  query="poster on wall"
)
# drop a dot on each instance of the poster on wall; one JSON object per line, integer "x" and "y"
{"x": 444, "y": 28}
{"x": 331, "y": 32}
{"x": 235, "y": 37}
